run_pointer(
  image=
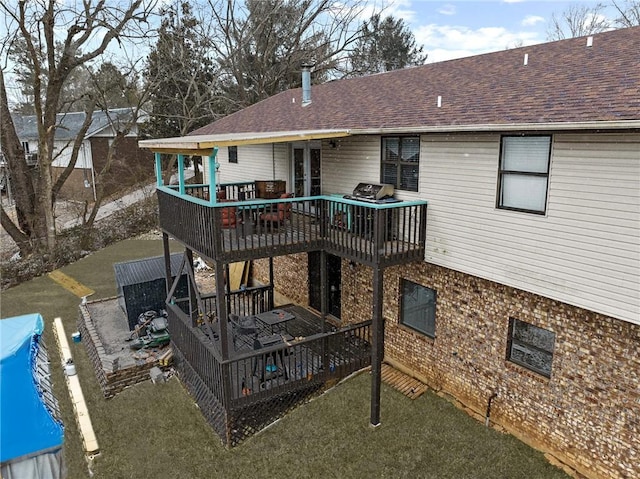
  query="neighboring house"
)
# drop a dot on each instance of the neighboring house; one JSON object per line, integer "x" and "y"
{"x": 130, "y": 165}
{"x": 526, "y": 304}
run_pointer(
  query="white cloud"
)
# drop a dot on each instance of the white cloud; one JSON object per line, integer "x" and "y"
{"x": 447, "y": 9}
{"x": 445, "y": 42}
{"x": 396, "y": 8}
{"x": 531, "y": 20}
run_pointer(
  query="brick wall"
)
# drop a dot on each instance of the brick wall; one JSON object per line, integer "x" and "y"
{"x": 74, "y": 187}
{"x": 130, "y": 164}
{"x": 110, "y": 375}
{"x": 587, "y": 414}
{"x": 290, "y": 276}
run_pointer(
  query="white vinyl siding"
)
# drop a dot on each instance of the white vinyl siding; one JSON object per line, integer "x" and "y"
{"x": 585, "y": 251}
{"x": 354, "y": 160}
{"x": 255, "y": 162}
{"x": 62, "y": 154}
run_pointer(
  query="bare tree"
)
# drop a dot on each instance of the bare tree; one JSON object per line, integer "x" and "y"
{"x": 629, "y": 12}
{"x": 261, "y": 44}
{"x": 578, "y": 20}
{"x": 60, "y": 38}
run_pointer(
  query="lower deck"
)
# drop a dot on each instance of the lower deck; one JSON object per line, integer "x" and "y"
{"x": 268, "y": 371}
{"x": 283, "y": 354}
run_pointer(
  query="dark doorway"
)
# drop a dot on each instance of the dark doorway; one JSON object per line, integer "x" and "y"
{"x": 334, "y": 286}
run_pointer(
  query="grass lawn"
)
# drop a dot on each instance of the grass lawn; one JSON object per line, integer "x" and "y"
{"x": 157, "y": 430}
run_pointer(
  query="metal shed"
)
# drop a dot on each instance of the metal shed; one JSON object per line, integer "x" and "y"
{"x": 142, "y": 285}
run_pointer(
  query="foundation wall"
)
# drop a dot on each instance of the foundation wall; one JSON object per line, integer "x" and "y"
{"x": 587, "y": 414}
{"x": 110, "y": 375}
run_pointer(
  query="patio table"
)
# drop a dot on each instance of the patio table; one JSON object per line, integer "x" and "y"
{"x": 276, "y": 318}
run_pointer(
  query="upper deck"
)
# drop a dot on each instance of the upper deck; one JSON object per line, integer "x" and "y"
{"x": 237, "y": 229}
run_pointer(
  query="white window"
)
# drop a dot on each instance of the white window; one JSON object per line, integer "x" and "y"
{"x": 524, "y": 173}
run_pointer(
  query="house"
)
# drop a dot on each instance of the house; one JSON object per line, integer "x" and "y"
{"x": 518, "y": 294}
{"x": 130, "y": 164}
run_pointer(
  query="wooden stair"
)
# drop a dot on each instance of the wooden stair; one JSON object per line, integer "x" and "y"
{"x": 410, "y": 387}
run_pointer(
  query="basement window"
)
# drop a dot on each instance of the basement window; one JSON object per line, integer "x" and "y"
{"x": 530, "y": 346}
{"x": 418, "y": 308}
{"x": 524, "y": 173}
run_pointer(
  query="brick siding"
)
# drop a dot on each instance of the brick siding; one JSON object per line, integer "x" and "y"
{"x": 587, "y": 414}
{"x": 110, "y": 375}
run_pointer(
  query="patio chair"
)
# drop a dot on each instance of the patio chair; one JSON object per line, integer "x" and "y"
{"x": 243, "y": 326}
{"x": 229, "y": 216}
{"x": 278, "y": 214}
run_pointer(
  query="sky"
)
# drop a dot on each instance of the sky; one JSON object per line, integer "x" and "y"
{"x": 455, "y": 29}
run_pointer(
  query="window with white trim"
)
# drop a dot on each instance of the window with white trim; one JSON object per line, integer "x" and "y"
{"x": 524, "y": 173}
{"x": 401, "y": 162}
{"x": 531, "y": 346}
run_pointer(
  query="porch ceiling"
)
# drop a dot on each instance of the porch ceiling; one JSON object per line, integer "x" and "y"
{"x": 204, "y": 144}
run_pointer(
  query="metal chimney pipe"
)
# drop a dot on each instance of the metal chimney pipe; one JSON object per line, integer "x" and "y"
{"x": 306, "y": 83}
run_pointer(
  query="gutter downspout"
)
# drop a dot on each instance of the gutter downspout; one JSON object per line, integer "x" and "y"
{"x": 488, "y": 414}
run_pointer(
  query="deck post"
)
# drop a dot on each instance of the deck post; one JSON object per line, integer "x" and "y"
{"x": 271, "y": 300}
{"x": 159, "y": 181}
{"x": 228, "y": 288}
{"x": 213, "y": 196}
{"x": 377, "y": 349}
{"x": 181, "y": 186}
{"x": 167, "y": 261}
{"x": 221, "y": 309}
{"x": 193, "y": 300}
{"x": 323, "y": 288}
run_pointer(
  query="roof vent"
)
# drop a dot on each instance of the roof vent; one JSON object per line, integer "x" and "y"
{"x": 526, "y": 59}
{"x": 589, "y": 41}
{"x": 306, "y": 84}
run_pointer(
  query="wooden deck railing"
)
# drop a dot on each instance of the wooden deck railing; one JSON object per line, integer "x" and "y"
{"x": 262, "y": 378}
{"x": 229, "y": 231}
{"x": 267, "y": 372}
{"x": 248, "y": 301}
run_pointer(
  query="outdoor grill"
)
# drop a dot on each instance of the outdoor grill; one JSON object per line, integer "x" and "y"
{"x": 372, "y": 193}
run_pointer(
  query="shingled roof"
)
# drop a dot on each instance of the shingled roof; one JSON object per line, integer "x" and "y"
{"x": 572, "y": 81}
{"x": 68, "y": 125}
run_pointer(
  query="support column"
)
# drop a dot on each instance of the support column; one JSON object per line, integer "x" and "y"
{"x": 221, "y": 308}
{"x": 273, "y": 289}
{"x": 323, "y": 288}
{"x": 159, "y": 181}
{"x": 377, "y": 349}
{"x": 167, "y": 261}
{"x": 193, "y": 301}
{"x": 212, "y": 176}
{"x": 181, "y": 186}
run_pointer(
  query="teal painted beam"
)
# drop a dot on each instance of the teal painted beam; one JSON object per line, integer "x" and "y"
{"x": 181, "y": 186}
{"x": 213, "y": 197}
{"x": 159, "y": 181}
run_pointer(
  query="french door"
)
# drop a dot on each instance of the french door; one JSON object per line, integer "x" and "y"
{"x": 307, "y": 169}
{"x": 333, "y": 287}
